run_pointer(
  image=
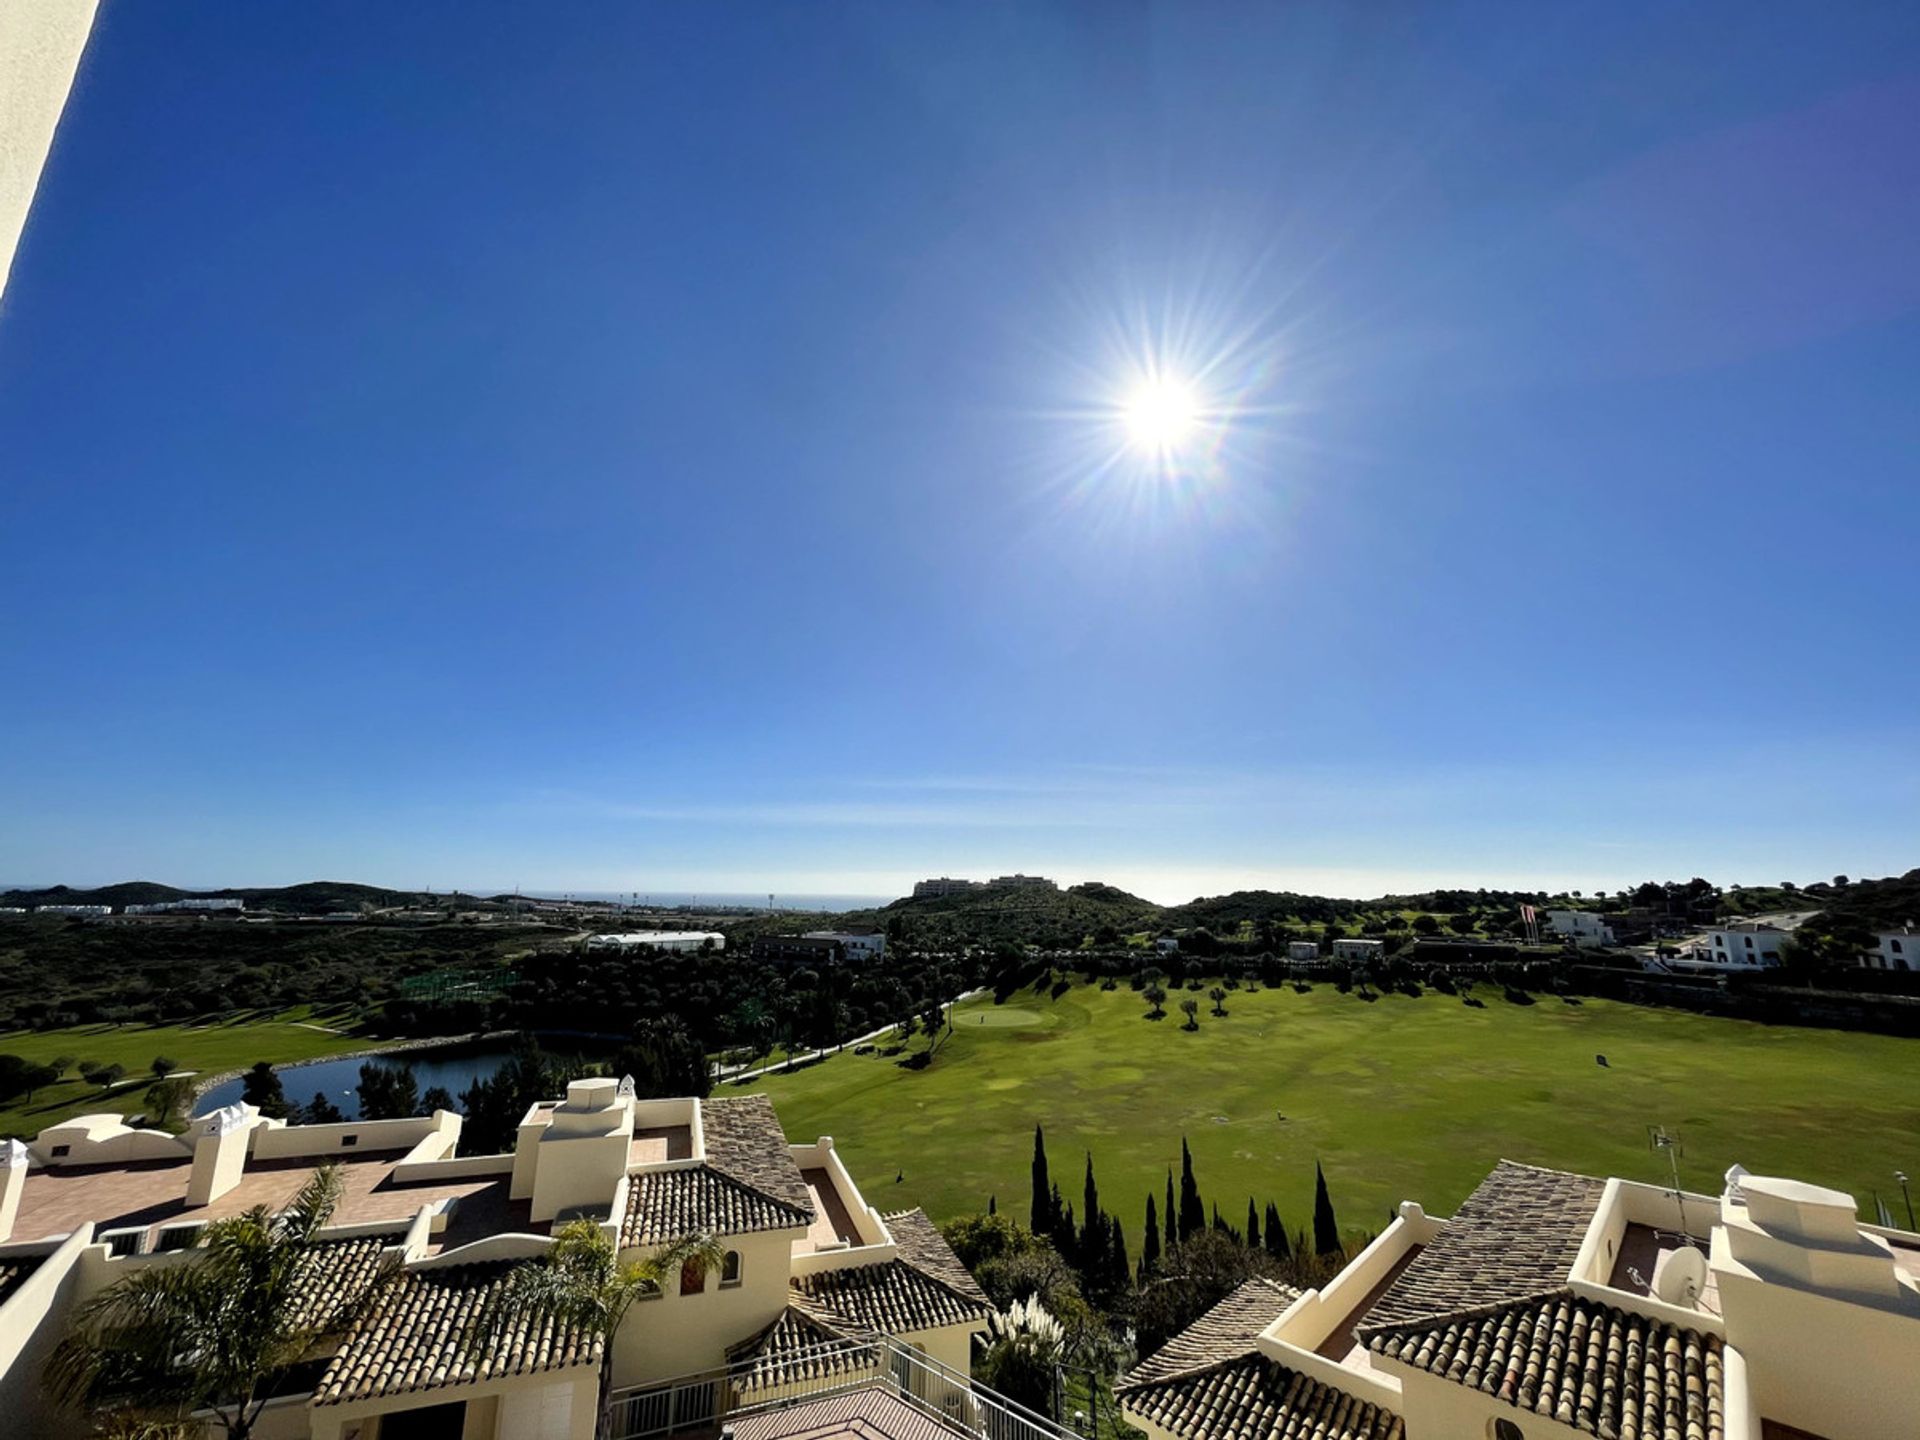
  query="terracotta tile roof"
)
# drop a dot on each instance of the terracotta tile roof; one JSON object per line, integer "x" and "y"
{"x": 925, "y": 1248}
{"x": 1210, "y": 1382}
{"x": 1226, "y": 1332}
{"x": 795, "y": 1347}
{"x": 336, "y": 1277}
{"x": 1254, "y": 1398}
{"x": 664, "y": 1205}
{"x": 14, "y": 1272}
{"x": 415, "y": 1337}
{"x": 1603, "y": 1370}
{"x": 744, "y": 1140}
{"x": 1516, "y": 1235}
{"x": 891, "y": 1298}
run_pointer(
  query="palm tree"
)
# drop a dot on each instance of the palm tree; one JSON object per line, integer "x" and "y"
{"x": 209, "y": 1330}
{"x": 581, "y": 1284}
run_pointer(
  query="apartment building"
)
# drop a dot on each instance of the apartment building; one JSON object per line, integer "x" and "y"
{"x": 822, "y": 1300}
{"x": 674, "y": 941}
{"x": 1553, "y": 1306}
{"x": 943, "y": 886}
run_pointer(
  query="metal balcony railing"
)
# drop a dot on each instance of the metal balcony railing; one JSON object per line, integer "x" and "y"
{"x": 705, "y": 1402}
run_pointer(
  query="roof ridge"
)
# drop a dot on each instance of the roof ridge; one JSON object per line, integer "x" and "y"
{"x": 1484, "y": 1311}
{"x": 733, "y": 1179}
{"x": 1426, "y": 1323}
{"x": 1546, "y": 1170}
{"x": 1199, "y": 1367}
{"x": 940, "y": 1280}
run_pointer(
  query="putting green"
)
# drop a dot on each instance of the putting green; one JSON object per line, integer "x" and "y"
{"x": 1001, "y": 1017}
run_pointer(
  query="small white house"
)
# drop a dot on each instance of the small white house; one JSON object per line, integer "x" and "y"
{"x": 1167, "y": 945}
{"x": 855, "y": 945}
{"x": 1303, "y": 950}
{"x": 1585, "y": 928}
{"x": 1895, "y": 950}
{"x": 1738, "y": 944}
{"x": 1359, "y": 952}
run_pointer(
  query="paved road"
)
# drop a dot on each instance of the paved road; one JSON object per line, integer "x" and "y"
{"x": 729, "y": 1074}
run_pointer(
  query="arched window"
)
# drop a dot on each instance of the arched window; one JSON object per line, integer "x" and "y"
{"x": 730, "y": 1269}
{"x": 693, "y": 1278}
{"x": 1505, "y": 1430}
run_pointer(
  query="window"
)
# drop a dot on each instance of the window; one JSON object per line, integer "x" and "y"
{"x": 730, "y": 1270}
{"x": 1505, "y": 1430}
{"x": 693, "y": 1278}
{"x": 649, "y": 1290}
{"x": 60, "y": 1150}
{"x": 346, "y": 1140}
{"x": 1896, "y": 946}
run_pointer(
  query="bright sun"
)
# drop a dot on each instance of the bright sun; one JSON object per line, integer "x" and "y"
{"x": 1160, "y": 413}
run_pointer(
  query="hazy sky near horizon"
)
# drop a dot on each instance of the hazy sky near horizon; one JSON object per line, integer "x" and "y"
{"x": 676, "y": 447}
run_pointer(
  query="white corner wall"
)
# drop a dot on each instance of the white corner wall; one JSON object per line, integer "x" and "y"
{"x": 40, "y": 46}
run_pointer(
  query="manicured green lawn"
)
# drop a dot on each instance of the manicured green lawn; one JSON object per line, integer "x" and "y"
{"x": 220, "y": 1045}
{"x": 1399, "y": 1099}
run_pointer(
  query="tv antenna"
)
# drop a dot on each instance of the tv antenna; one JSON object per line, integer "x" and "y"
{"x": 1659, "y": 1139}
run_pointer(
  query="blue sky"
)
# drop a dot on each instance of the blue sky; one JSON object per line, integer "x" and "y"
{"x": 639, "y": 447}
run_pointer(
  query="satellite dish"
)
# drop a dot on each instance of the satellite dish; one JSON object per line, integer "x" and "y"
{"x": 625, "y": 1089}
{"x": 1680, "y": 1277}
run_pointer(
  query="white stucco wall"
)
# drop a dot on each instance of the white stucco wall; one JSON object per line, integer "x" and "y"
{"x": 679, "y": 1334}
{"x": 31, "y": 1323}
{"x": 40, "y": 46}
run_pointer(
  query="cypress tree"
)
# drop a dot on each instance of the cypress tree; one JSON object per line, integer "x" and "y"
{"x": 1042, "y": 1214}
{"x": 1117, "y": 1271}
{"x": 993, "y": 1205}
{"x": 1193, "y": 1214}
{"x": 1150, "y": 1245}
{"x": 1173, "y": 1235}
{"x": 1276, "y": 1234}
{"x": 1253, "y": 1226}
{"x": 1093, "y": 1238}
{"x": 1326, "y": 1230}
{"x": 1065, "y": 1232}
